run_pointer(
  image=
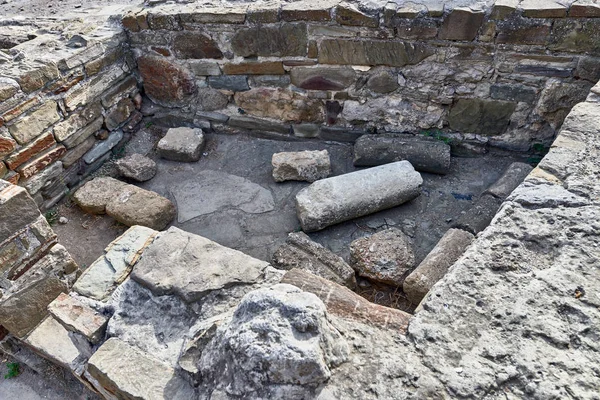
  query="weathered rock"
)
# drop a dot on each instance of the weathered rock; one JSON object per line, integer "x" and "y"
{"x": 333, "y": 200}
{"x": 277, "y": 41}
{"x": 280, "y": 104}
{"x": 510, "y": 179}
{"x": 37, "y": 181}
{"x": 211, "y": 192}
{"x": 254, "y": 68}
{"x": 257, "y": 124}
{"x": 371, "y": 52}
{"x": 487, "y": 117}
{"x": 83, "y": 134}
{"x": 125, "y": 371}
{"x": 322, "y": 78}
{"x": 190, "y": 44}
{"x": 349, "y": 14}
{"x": 8, "y": 88}
{"x": 575, "y": 35}
{"x": 433, "y": 268}
{"x": 519, "y": 93}
{"x": 181, "y": 144}
{"x": 280, "y": 334}
{"x": 119, "y": 113}
{"x": 425, "y": 155}
{"x": 301, "y": 252}
{"x": 383, "y": 81}
{"x": 102, "y": 147}
{"x": 95, "y": 194}
{"x": 164, "y": 82}
{"x": 301, "y": 166}
{"x": 385, "y": 256}
{"x": 32, "y": 125}
{"x": 191, "y": 266}
{"x": 209, "y": 99}
{"x": 77, "y": 317}
{"x": 137, "y": 167}
{"x": 16, "y": 203}
{"x": 523, "y": 31}
{"x": 346, "y": 304}
{"x": 100, "y": 279}
{"x": 462, "y": 24}
{"x": 479, "y": 216}
{"x": 7, "y": 143}
{"x": 135, "y": 206}
{"x": 235, "y": 83}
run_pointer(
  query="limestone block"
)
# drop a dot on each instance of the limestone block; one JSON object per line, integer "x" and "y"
{"x": 17, "y": 209}
{"x": 306, "y": 166}
{"x": 344, "y": 197}
{"x": 77, "y": 121}
{"x": 137, "y": 167}
{"x": 348, "y": 14}
{"x": 77, "y": 317}
{"x": 52, "y": 340}
{"x": 37, "y": 181}
{"x": 119, "y": 92}
{"x": 479, "y": 216}
{"x": 8, "y": 88}
{"x": 372, "y": 52}
{"x": 543, "y": 9}
{"x": 135, "y": 206}
{"x": 461, "y": 24}
{"x": 181, "y": 144}
{"x": 119, "y": 113}
{"x": 308, "y": 11}
{"x": 95, "y": 194}
{"x": 433, "y": 268}
{"x": 285, "y": 40}
{"x": 90, "y": 90}
{"x": 32, "y": 125}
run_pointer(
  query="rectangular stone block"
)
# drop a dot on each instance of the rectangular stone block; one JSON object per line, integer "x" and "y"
{"x": 8, "y": 88}
{"x": 307, "y": 11}
{"x": 83, "y": 134}
{"x": 17, "y": 209}
{"x": 73, "y": 155}
{"x": 32, "y": 125}
{"x": 118, "y": 114}
{"x": 216, "y": 15}
{"x": 289, "y": 39}
{"x": 254, "y": 68}
{"x": 77, "y": 317}
{"x": 258, "y": 124}
{"x": 523, "y": 31}
{"x": 543, "y": 9}
{"x": 19, "y": 108}
{"x": 7, "y": 143}
{"x": 66, "y": 82}
{"x": 36, "y": 165}
{"x": 110, "y": 57}
{"x": 576, "y": 35}
{"x": 35, "y": 183}
{"x": 20, "y": 156}
{"x": 585, "y": 9}
{"x": 82, "y": 56}
{"x": 77, "y": 121}
{"x": 90, "y": 90}
{"x": 349, "y": 14}
{"x": 503, "y": 8}
{"x": 119, "y": 91}
{"x": 263, "y": 13}
{"x": 371, "y": 52}
{"x": 38, "y": 76}
{"x": 462, "y": 24}
{"x": 3, "y": 169}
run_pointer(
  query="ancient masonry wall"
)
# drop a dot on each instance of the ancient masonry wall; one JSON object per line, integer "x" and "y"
{"x": 65, "y": 101}
{"x": 507, "y": 75}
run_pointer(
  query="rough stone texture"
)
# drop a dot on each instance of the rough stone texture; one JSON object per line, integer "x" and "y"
{"x": 37, "y": 182}
{"x": 83, "y": 134}
{"x": 119, "y": 114}
{"x": 20, "y": 156}
{"x": 8, "y": 87}
{"x": 131, "y": 374}
{"x": 7, "y": 143}
{"x": 425, "y": 155}
{"x": 100, "y": 279}
{"x": 236, "y": 83}
{"x": 301, "y": 252}
{"x": 284, "y": 40}
{"x": 462, "y": 24}
{"x": 78, "y": 317}
{"x": 95, "y": 194}
{"x": 478, "y": 217}
{"x": 383, "y": 81}
{"x": 195, "y": 45}
{"x": 385, "y": 256}
{"x": 322, "y": 78}
{"x": 254, "y": 68}
{"x": 32, "y": 125}
{"x": 337, "y": 199}
{"x": 258, "y": 124}
{"x": 349, "y": 14}
{"x": 439, "y": 260}
{"x": 370, "y": 52}
{"x": 16, "y": 202}
{"x": 181, "y": 144}
{"x": 512, "y": 177}
{"x": 307, "y": 166}
{"x": 487, "y": 117}
{"x": 137, "y": 167}
{"x": 343, "y": 302}
{"x": 135, "y": 206}
{"x": 283, "y": 336}
{"x": 280, "y": 104}
{"x": 164, "y": 82}
{"x": 200, "y": 267}
{"x": 210, "y": 99}
{"x": 102, "y": 147}
{"x": 77, "y": 121}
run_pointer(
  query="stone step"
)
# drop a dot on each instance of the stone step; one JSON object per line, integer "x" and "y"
{"x": 344, "y": 197}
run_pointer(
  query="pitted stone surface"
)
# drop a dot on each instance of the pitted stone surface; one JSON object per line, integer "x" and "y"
{"x": 94, "y": 195}
{"x": 191, "y": 266}
{"x": 135, "y": 206}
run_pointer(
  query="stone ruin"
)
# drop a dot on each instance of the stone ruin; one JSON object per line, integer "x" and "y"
{"x": 509, "y": 303}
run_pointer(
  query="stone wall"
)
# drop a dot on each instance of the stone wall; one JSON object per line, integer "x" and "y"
{"x": 66, "y": 98}
{"x": 507, "y": 74}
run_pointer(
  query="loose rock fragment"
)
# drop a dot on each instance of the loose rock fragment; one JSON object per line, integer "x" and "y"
{"x": 341, "y": 198}
{"x": 478, "y": 217}
{"x": 95, "y": 194}
{"x": 425, "y": 155}
{"x": 433, "y": 268}
{"x": 181, "y": 144}
{"x": 385, "y": 256}
{"x": 78, "y": 317}
{"x": 137, "y": 167}
{"x": 135, "y": 206}
{"x": 307, "y": 166}
{"x": 512, "y": 177}
{"x": 301, "y": 252}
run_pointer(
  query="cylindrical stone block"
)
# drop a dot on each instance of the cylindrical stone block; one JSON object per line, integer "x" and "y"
{"x": 478, "y": 217}
{"x": 344, "y": 197}
{"x": 512, "y": 177}
{"x": 433, "y": 268}
{"x": 425, "y": 155}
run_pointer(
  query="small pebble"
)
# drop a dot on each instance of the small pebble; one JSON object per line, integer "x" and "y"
{"x": 63, "y": 220}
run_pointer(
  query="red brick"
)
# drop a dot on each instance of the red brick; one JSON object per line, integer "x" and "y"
{"x": 41, "y": 162}
{"x": 7, "y": 145}
{"x": 20, "y": 109}
{"x": 42, "y": 143}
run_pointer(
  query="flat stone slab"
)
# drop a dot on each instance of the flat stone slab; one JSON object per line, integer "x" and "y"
{"x": 307, "y": 166}
{"x": 181, "y": 144}
{"x": 135, "y": 206}
{"x": 100, "y": 279}
{"x": 78, "y": 317}
{"x": 52, "y": 340}
{"x": 212, "y": 191}
{"x": 344, "y": 197}
{"x": 95, "y": 194}
{"x": 191, "y": 266}
{"x": 130, "y": 374}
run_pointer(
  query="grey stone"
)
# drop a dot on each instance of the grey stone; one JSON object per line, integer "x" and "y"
{"x": 95, "y": 194}
{"x": 283, "y": 336}
{"x": 135, "y": 206}
{"x": 340, "y": 134}
{"x": 271, "y": 41}
{"x": 425, "y": 155}
{"x": 38, "y": 181}
{"x": 181, "y": 144}
{"x": 77, "y": 152}
{"x": 100, "y": 279}
{"x": 8, "y": 88}
{"x": 83, "y": 134}
{"x": 191, "y": 266}
{"x": 301, "y": 252}
{"x": 383, "y": 81}
{"x": 520, "y": 93}
{"x": 348, "y": 14}
{"x": 194, "y": 199}
{"x": 439, "y": 260}
{"x": 129, "y": 373}
{"x": 204, "y": 68}
{"x": 333, "y": 200}
{"x": 258, "y": 124}
{"x": 212, "y": 116}
{"x": 235, "y": 83}
{"x": 385, "y": 256}
{"x": 479, "y": 216}
{"x": 371, "y": 52}
{"x": 77, "y": 121}
{"x": 209, "y": 99}
{"x": 510, "y": 179}
{"x": 537, "y": 195}
{"x": 18, "y": 204}
{"x": 462, "y": 24}
{"x": 103, "y": 147}
{"x": 137, "y": 167}
{"x": 487, "y": 117}
{"x": 270, "y": 80}
{"x": 306, "y": 130}
{"x": 301, "y": 166}
{"x": 322, "y": 78}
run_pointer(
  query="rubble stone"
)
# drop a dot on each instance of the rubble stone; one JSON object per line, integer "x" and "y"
{"x": 301, "y": 166}
{"x": 137, "y": 167}
{"x": 135, "y": 206}
{"x": 78, "y": 317}
{"x": 181, "y": 144}
{"x": 95, "y": 194}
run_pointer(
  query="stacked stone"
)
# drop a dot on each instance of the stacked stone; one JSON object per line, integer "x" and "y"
{"x": 336, "y": 71}
{"x": 54, "y": 112}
